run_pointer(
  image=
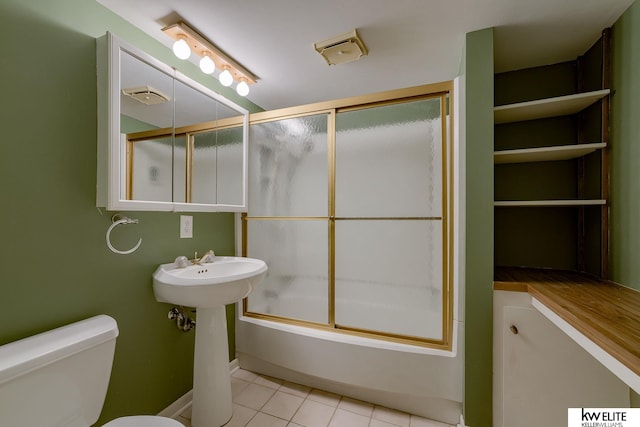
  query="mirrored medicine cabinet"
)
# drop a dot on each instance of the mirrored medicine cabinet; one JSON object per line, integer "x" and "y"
{"x": 165, "y": 142}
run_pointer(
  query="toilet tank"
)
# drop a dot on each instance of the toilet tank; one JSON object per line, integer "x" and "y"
{"x": 57, "y": 378}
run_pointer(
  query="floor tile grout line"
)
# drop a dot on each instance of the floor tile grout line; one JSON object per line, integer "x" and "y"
{"x": 279, "y": 383}
{"x": 311, "y": 400}
{"x": 335, "y": 408}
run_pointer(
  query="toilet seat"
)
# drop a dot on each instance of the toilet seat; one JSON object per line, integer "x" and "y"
{"x": 143, "y": 421}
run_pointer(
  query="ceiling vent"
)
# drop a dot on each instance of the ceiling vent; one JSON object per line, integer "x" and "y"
{"x": 346, "y": 47}
{"x": 146, "y": 94}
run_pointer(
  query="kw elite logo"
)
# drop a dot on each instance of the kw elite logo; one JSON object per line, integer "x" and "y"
{"x": 604, "y": 417}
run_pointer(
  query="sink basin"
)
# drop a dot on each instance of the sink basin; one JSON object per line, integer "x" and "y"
{"x": 224, "y": 281}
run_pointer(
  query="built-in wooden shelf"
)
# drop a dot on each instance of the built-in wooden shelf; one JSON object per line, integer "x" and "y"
{"x": 546, "y": 154}
{"x": 549, "y": 107}
{"x": 549, "y": 203}
{"x": 602, "y": 316}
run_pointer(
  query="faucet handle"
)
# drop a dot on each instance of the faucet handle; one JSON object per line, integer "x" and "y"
{"x": 181, "y": 261}
{"x": 209, "y": 256}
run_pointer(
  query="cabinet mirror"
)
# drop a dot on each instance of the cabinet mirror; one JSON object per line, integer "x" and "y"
{"x": 165, "y": 141}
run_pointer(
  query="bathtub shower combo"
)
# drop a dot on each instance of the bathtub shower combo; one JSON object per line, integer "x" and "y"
{"x": 351, "y": 205}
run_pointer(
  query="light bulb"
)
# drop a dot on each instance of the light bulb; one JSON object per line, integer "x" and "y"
{"x": 206, "y": 64}
{"x": 181, "y": 49}
{"x": 242, "y": 88}
{"x": 225, "y": 78}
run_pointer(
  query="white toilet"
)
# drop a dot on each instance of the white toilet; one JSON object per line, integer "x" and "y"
{"x": 59, "y": 378}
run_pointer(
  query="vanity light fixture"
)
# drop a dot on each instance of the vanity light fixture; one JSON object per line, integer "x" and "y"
{"x": 206, "y": 64}
{"x": 225, "y": 77}
{"x": 243, "y": 87}
{"x": 212, "y": 57}
{"x": 181, "y": 48}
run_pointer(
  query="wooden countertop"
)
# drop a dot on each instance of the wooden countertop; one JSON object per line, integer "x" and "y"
{"x": 605, "y": 312}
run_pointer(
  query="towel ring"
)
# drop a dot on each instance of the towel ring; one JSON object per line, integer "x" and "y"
{"x": 118, "y": 219}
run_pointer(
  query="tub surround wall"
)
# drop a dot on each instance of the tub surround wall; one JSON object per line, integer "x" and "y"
{"x": 57, "y": 266}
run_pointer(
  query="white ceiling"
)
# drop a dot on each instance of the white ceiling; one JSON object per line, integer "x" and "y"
{"x": 410, "y": 42}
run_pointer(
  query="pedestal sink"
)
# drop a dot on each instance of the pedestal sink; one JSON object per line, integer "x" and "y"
{"x": 209, "y": 287}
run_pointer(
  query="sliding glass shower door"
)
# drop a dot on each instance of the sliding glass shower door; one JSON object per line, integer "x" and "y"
{"x": 389, "y": 223}
{"x": 349, "y": 208}
{"x": 287, "y": 223}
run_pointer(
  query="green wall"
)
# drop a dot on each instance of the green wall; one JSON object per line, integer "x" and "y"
{"x": 625, "y": 149}
{"x": 478, "y": 70}
{"x": 56, "y": 266}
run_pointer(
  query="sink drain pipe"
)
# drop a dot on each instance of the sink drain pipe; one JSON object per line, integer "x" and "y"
{"x": 183, "y": 321}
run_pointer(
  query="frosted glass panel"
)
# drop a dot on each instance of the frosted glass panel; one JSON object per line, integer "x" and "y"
{"x": 296, "y": 253}
{"x": 203, "y": 184}
{"x": 217, "y": 171}
{"x": 288, "y": 167}
{"x": 230, "y": 167}
{"x": 159, "y": 170}
{"x": 152, "y": 170}
{"x": 180, "y": 169}
{"x": 389, "y": 161}
{"x": 389, "y": 276}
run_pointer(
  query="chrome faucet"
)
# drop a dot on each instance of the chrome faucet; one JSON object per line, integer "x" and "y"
{"x": 209, "y": 256}
{"x": 181, "y": 262}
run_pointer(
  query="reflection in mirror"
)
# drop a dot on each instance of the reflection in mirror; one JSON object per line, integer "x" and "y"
{"x": 180, "y": 168}
{"x": 207, "y": 178}
{"x": 217, "y": 170}
{"x": 193, "y": 108}
{"x": 230, "y": 166}
{"x": 207, "y": 166}
{"x": 146, "y": 96}
{"x": 203, "y": 174}
{"x": 151, "y": 159}
{"x": 145, "y": 105}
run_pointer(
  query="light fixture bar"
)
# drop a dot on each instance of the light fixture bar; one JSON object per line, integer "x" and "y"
{"x": 200, "y": 45}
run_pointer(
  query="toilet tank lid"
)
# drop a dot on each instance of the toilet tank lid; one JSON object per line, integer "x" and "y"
{"x": 19, "y": 357}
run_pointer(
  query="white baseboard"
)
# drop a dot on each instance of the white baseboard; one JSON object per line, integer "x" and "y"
{"x": 184, "y": 401}
{"x": 234, "y": 365}
{"x": 178, "y": 407}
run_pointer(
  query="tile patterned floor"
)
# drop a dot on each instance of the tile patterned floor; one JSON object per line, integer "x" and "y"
{"x": 260, "y": 401}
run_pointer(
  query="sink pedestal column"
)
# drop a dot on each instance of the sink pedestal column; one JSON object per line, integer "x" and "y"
{"x": 212, "y": 405}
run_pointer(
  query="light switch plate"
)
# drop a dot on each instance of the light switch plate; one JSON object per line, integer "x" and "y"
{"x": 186, "y": 226}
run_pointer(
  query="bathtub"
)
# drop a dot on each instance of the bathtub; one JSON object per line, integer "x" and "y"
{"x": 422, "y": 381}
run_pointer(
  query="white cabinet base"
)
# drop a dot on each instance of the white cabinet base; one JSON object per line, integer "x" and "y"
{"x": 540, "y": 372}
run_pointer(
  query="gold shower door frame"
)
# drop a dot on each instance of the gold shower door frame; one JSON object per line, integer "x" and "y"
{"x": 443, "y": 91}
{"x": 189, "y": 133}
